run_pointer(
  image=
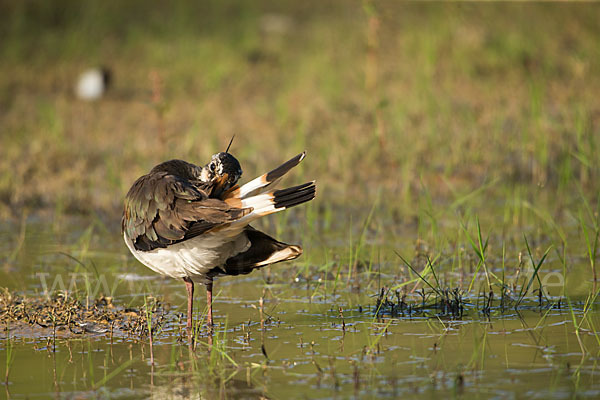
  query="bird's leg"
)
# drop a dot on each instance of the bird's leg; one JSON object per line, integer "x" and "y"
{"x": 209, "y": 318}
{"x": 189, "y": 285}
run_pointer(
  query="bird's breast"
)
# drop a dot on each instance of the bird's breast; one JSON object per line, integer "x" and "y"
{"x": 194, "y": 258}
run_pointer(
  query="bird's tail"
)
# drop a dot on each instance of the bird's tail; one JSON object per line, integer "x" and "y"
{"x": 264, "y": 182}
{"x": 271, "y": 202}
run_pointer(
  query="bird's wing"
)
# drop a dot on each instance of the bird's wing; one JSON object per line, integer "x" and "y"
{"x": 162, "y": 209}
{"x": 264, "y": 182}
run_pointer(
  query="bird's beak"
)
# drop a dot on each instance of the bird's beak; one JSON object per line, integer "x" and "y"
{"x": 221, "y": 184}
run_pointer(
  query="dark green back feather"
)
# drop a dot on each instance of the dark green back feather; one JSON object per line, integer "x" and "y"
{"x": 170, "y": 205}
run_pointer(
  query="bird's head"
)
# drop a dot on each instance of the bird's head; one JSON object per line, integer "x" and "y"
{"x": 222, "y": 167}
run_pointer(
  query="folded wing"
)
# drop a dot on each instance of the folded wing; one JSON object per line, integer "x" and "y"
{"x": 162, "y": 209}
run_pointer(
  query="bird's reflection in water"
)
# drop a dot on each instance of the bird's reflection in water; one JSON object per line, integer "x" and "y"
{"x": 203, "y": 387}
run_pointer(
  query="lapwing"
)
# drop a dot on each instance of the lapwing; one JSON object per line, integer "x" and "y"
{"x": 193, "y": 222}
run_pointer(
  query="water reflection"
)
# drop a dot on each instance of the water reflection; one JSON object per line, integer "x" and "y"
{"x": 292, "y": 337}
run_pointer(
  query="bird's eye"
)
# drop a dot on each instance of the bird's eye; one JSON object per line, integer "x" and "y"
{"x": 212, "y": 167}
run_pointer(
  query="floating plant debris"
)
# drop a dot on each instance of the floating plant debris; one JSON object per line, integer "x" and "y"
{"x": 67, "y": 315}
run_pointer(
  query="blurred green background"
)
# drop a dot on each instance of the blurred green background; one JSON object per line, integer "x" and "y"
{"x": 409, "y": 98}
{"x": 430, "y": 128}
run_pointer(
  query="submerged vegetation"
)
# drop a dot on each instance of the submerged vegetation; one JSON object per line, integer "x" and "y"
{"x": 453, "y": 246}
{"x": 68, "y": 317}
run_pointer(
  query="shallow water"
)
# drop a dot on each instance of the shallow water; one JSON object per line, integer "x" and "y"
{"x": 321, "y": 337}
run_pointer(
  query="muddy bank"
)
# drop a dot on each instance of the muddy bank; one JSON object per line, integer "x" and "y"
{"x": 66, "y": 316}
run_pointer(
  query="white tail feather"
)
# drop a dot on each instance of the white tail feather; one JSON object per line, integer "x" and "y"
{"x": 256, "y": 186}
{"x": 262, "y": 204}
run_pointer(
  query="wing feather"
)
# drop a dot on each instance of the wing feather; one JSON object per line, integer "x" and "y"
{"x": 163, "y": 209}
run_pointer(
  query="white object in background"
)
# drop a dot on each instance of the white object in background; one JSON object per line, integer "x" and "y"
{"x": 92, "y": 84}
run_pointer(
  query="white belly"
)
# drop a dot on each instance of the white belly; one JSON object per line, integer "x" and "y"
{"x": 193, "y": 258}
